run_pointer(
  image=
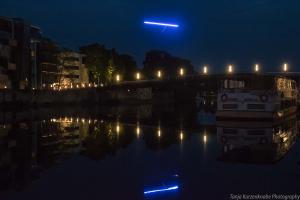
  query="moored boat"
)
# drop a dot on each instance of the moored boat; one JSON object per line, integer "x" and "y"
{"x": 256, "y": 97}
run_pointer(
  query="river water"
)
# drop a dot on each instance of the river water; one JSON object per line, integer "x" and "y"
{"x": 144, "y": 152}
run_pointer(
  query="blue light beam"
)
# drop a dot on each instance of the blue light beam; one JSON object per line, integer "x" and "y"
{"x": 161, "y": 24}
{"x": 162, "y": 190}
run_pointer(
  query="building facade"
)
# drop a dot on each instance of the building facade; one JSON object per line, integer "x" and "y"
{"x": 74, "y": 73}
{"x": 19, "y": 43}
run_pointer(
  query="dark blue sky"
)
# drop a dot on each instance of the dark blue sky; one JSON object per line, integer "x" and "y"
{"x": 212, "y": 32}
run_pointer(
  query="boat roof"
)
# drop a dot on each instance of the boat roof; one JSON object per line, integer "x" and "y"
{"x": 260, "y": 75}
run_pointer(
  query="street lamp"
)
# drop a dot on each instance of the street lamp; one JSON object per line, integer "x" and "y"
{"x": 181, "y": 135}
{"x": 205, "y": 70}
{"x": 181, "y": 72}
{"x": 138, "y": 76}
{"x": 138, "y": 130}
{"x": 158, "y": 132}
{"x": 256, "y": 68}
{"x": 159, "y": 74}
{"x": 117, "y": 128}
{"x": 118, "y": 78}
{"x": 230, "y": 69}
{"x": 204, "y": 138}
{"x": 285, "y": 67}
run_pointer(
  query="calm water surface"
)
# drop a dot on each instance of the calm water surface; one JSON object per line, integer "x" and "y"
{"x": 123, "y": 152}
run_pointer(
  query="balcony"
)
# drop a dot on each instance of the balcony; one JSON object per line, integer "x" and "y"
{"x": 12, "y": 66}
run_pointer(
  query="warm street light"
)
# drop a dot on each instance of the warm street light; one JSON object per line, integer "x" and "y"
{"x": 159, "y": 74}
{"x": 230, "y": 69}
{"x": 117, "y": 77}
{"x": 138, "y": 76}
{"x": 138, "y": 130}
{"x": 256, "y": 69}
{"x": 117, "y": 128}
{"x": 285, "y": 67}
{"x": 205, "y": 70}
{"x": 204, "y": 138}
{"x": 158, "y": 132}
{"x": 181, "y": 72}
{"x": 181, "y": 135}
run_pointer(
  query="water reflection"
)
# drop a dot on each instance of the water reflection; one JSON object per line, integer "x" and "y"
{"x": 256, "y": 142}
{"x": 146, "y": 152}
{"x": 28, "y": 148}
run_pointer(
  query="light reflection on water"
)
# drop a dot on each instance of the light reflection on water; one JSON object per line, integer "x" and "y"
{"x": 153, "y": 152}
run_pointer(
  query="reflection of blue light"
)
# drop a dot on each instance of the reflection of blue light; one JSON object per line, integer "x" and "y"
{"x": 162, "y": 190}
{"x": 161, "y": 24}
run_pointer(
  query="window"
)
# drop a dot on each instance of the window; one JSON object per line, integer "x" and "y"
{"x": 256, "y": 106}
{"x": 230, "y": 84}
{"x": 250, "y": 82}
{"x": 229, "y": 131}
{"x": 230, "y": 106}
{"x": 256, "y": 132}
{"x": 3, "y": 62}
{"x": 71, "y": 76}
{"x": 71, "y": 67}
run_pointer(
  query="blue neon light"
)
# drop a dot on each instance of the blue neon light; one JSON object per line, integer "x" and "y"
{"x": 161, "y": 24}
{"x": 162, "y": 190}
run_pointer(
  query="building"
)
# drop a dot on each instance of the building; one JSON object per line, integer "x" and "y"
{"x": 49, "y": 63}
{"x": 19, "y": 43}
{"x": 4, "y": 80}
{"x": 74, "y": 73}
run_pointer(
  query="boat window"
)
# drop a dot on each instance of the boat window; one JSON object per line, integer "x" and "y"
{"x": 230, "y": 106}
{"x": 284, "y": 84}
{"x": 230, "y": 131}
{"x": 256, "y": 132}
{"x": 230, "y": 84}
{"x": 256, "y": 106}
{"x": 252, "y": 83}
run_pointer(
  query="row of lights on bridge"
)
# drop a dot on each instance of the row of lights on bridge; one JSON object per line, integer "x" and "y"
{"x": 256, "y": 68}
{"x": 159, "y": 74}
{"x": 230, "y": 69}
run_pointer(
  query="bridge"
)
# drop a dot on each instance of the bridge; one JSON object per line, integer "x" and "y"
{"x": 172, "y": 89}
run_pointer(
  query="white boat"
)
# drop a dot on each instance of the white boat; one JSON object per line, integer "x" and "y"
{"x": 256, "y": 97}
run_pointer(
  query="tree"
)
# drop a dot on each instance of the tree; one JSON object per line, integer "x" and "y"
{"x": 105, "y": 63}
{"x": 97, "y": 61}
{"x": 126, "y": 66}
{"x": 169, "y": 65}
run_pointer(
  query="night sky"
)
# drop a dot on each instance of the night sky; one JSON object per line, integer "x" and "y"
{"x": 212, "y": 32}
